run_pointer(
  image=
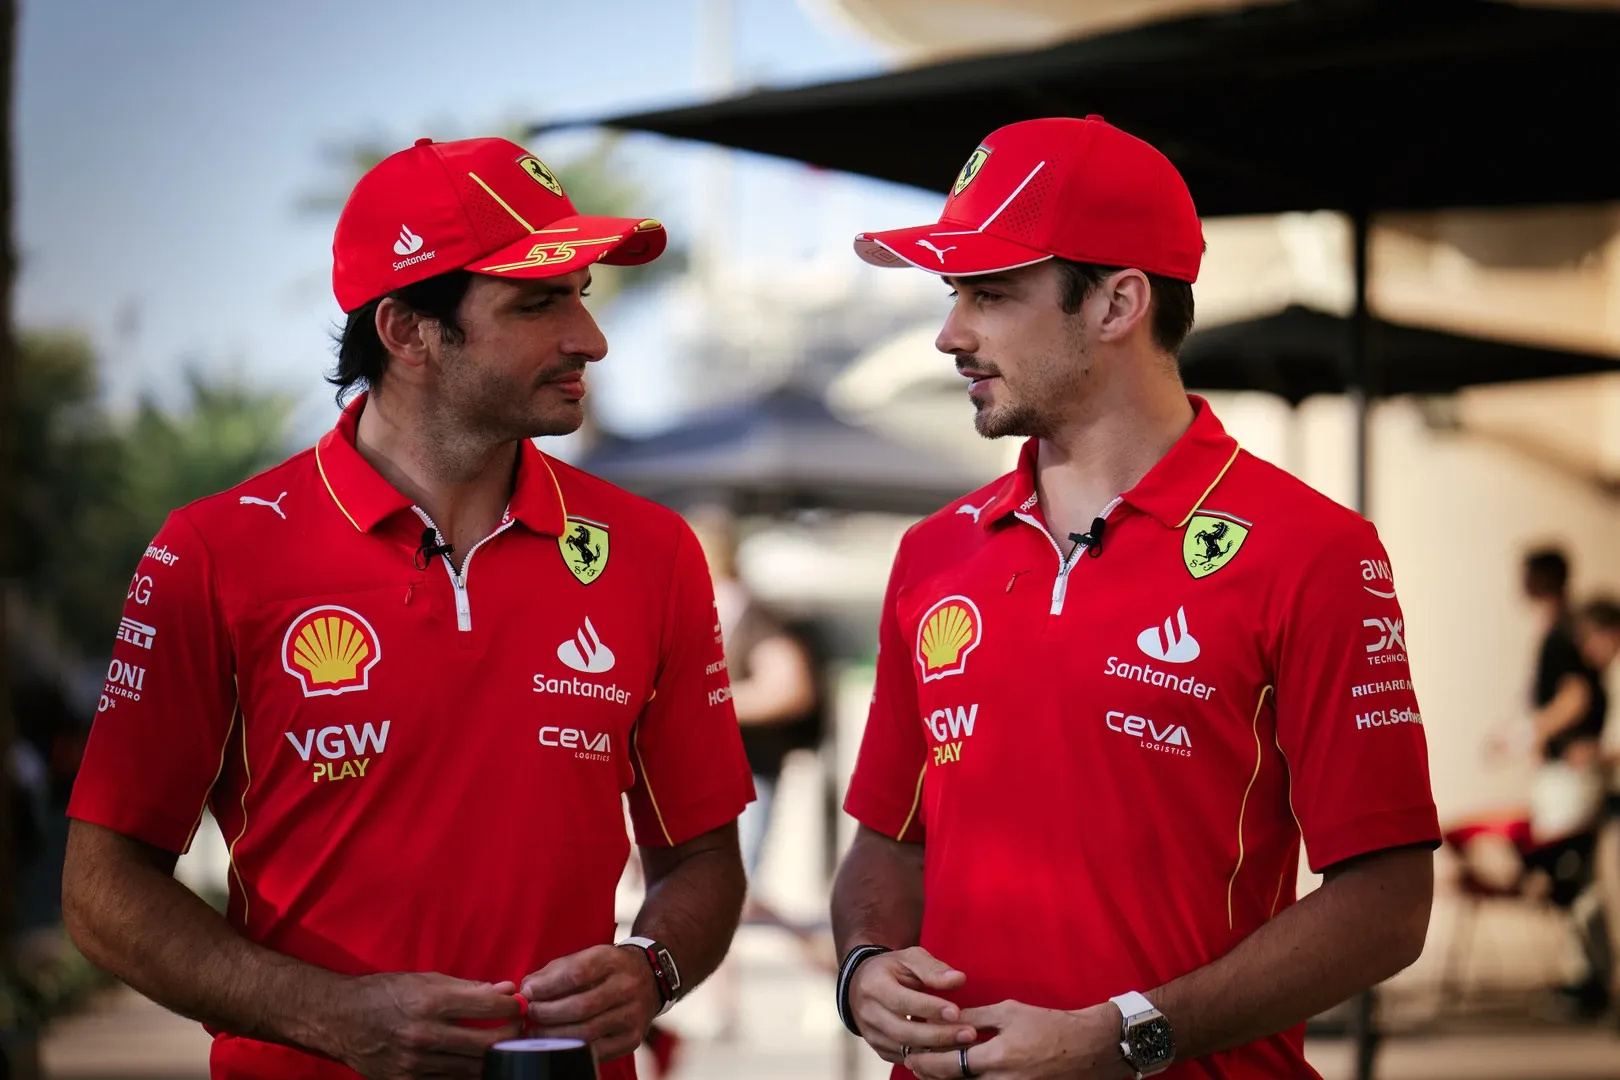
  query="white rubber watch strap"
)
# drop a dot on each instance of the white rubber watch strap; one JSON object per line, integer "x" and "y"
{"x": 647, "y": 944}
{"x": 1133, "y": 1004}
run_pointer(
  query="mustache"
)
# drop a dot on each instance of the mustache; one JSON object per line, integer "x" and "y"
{"x": 573, "y": 366}
{"x": 967, "y": 366}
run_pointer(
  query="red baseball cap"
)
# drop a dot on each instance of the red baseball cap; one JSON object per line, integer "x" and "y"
{"x": 485, "y": 205}
{"x": 1079, "y": 189}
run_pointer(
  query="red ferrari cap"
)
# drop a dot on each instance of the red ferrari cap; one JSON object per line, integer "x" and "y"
{"x": 1079, "y": 189}
{"x": 485, "y": 205}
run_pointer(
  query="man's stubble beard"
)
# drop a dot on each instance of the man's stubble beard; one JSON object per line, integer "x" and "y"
{"x": 1063, "y": 382}
{"x": 488, "y": 408}
{"x": 1017, "y": 420}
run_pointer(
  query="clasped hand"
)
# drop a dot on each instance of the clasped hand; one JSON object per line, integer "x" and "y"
{"x": 895, "y": 999}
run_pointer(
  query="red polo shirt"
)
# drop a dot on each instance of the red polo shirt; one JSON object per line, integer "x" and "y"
{"x": 415, "y": 770}
{"x": 1111, "y": 760}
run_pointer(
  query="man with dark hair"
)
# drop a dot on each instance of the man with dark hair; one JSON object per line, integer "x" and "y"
{"x": 1116, "y": 687}
{"x": 1546, "y": 577}
{"x": 1567, "y": 694}
{"x": 421, "y": 773}
{"x": 1568, "y": 796}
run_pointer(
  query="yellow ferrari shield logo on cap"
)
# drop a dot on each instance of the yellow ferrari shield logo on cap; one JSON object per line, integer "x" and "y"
{"x": 975, "y": 162}
{"x": 542, "y": 175}
{"x": 584, "y": 547}
{"x": 1211, "y": 541}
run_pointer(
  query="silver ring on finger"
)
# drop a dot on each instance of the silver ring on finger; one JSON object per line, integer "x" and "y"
{"x": 905, "y": 1051}
{"x": 962, "y": 1057}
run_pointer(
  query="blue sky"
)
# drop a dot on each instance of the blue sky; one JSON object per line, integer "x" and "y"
{"x": 164, "y": 146}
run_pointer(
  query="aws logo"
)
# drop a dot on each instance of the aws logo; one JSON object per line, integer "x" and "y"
{"x": 949, "y": 631}
{"x": 330, "y": 650}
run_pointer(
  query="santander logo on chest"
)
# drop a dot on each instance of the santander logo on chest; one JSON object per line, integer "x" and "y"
{"x": 1171, "y": 642}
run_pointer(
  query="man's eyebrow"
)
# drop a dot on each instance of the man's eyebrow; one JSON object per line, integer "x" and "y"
{"x": 977, "y": 279}
{"x": 538, "y": 290}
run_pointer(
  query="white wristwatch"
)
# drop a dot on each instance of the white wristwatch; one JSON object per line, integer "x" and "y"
{"x": 1145, "y": 1039}
{"x": 665, "y": 973}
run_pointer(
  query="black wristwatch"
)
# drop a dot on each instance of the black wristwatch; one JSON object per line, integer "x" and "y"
{"x": 665, "y": 973}
{"x": 1145, "y": 1038}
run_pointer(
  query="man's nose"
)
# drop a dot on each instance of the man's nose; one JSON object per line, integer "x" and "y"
{"x": 956, "y": 338}
{"x": 585, "y": 338}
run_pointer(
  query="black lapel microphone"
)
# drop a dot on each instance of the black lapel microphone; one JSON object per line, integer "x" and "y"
{"x": 430, "y": 548}
{"x": 1092, "y": 539}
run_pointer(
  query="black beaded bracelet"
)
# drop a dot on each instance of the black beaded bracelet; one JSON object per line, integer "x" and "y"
{"x": 857, "y": 956}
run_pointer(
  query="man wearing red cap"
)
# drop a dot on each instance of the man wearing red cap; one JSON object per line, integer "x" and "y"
{"x": 420, "y": 771}
{"x": 1117, "y": 687}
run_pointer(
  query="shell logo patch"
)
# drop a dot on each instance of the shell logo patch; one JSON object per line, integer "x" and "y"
{"x": 330, "y": 650}
{"x": 949, "y": 631}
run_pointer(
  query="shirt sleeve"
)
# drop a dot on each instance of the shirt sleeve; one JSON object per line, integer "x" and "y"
{"x": 885, "y": 792}
{"x": 1347, "y": 716}
{"x": 168, "y": 702}
{"x": 1559, "y": 658}
{"x": 690, "y": 773}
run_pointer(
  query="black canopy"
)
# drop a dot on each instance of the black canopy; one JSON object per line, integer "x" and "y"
{"x": 1317, "y": 104}
{"x": 1301, "y": 351}
{"x": 783, "y": 451}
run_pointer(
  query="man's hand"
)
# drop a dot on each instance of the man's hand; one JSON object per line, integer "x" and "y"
{"x": 606, "y": 995}
{"x": 392, "y": 1026}
{"x": 889, "y": 999}
{"x": 1034, "y": 1044}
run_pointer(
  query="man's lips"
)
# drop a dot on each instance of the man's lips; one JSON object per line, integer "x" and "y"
{"x": 977, "y": 379}
{"x": 571, "y": 385}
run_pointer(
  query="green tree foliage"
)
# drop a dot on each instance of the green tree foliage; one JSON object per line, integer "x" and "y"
{"x": 91, "y": 492}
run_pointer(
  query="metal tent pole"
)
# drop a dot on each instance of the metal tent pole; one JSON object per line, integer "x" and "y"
{"x": 1359, "y": 386}
{"x": 1358, "y": 375}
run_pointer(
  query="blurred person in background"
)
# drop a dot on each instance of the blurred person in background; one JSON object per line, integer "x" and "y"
{"x": 1117, "y": 687}
{"x": 1567, "y": 793}
{"x": 45, "y": 758}
{"x": 1568, "y": 694}
{"x": 1570, "y": 792}
{"x": 777, "y": 690}
{"x": 422, "y": 772}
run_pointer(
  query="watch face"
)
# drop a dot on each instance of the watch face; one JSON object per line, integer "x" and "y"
{"x": 1152, "y": 1043}
{"x": 672, "y": 974}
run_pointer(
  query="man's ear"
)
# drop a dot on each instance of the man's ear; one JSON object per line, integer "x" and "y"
{"x": 405, "y": 332}
{"x": 1129, "y": 297}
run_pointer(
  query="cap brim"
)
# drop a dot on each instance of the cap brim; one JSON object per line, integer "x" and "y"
{"x": 571, "y": 243}
{"x": 941, "y": 249}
